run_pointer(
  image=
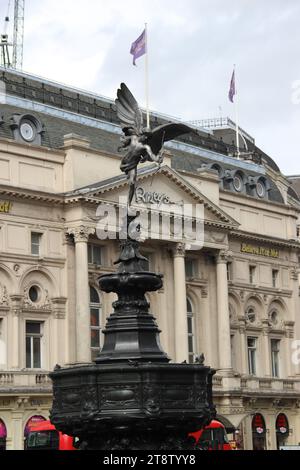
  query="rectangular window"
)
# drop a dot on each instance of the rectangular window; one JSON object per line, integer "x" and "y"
{"x": 95, "y": 254}
{"x": 35, "y": 243}
{"x": 191, "y": 339}
{"x": 252, "y": 344}
{"x": 275, "y": 349}
{"x": 95, "y": 315}
{"x": 190, "y": 268}
{"x": 274, "y": 277}
{"x": 33, "y": 345}
{"x": 251, "y": 274}
{"x": 190, "y": 330}
{"x": 229, "y": 271}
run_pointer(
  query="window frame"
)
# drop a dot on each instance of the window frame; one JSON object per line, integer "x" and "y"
{"x": 275, "y": 359}
{"x": 275, "y": 278}
{"x": 229, "y": 268}
{"x": 252, "y": 354}
{"x": 252, "y": 274}
{"x": 194, "y": 265}
{"x": 191, "y": 334}
{"x": 91, "y": 259}
{"x": 33, "y": 336}
{"x": 98, "y": 328}
{"x": 33, "y": 244}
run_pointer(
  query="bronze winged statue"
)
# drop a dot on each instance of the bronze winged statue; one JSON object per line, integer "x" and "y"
{"x": 141, "y": 144}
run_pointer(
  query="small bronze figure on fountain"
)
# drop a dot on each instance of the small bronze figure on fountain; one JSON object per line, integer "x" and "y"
{"x": 141, "y": 144}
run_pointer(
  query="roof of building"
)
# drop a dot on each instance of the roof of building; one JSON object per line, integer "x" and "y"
{"x": 294, "y": 191}
{"x": 63, "y": 110}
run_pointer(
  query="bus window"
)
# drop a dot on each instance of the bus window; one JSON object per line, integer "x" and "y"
{"x": 212, "y": 437}
{"x": 40, "y": 440}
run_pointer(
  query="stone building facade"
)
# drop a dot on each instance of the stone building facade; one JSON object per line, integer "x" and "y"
{"x": 236, "y": 299}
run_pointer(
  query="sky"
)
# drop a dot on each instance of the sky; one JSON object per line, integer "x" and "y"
{"x": 193, "y": 45}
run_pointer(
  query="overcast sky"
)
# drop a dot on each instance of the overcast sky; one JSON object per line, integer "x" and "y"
{"x": 193, "y": 45}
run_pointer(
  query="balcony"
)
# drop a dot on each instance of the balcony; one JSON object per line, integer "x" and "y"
{"x": 24, "y": 380}
{"x": 261, "y": 385}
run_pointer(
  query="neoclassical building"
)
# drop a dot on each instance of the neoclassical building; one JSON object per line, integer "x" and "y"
{"x": 235, "y": 298}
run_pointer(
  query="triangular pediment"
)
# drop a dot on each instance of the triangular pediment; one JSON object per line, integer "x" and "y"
{"x": 157, "y": 189}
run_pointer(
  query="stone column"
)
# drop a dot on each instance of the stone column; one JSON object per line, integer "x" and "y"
{"x": 17, "y": 431}
{"x": 288, "y": 369}
{"x": 180, "y": 316}
{"x": 294, "y": 317}
{"x": 266, "y": 351}
{"x": 83, "y": 336}
{"x": 206, "y": 333}
{"x": 243, "y": 346}
{"x": 223, "y": 313}
{"x": 16, "y": 301}
{"x": 58, "y": 353}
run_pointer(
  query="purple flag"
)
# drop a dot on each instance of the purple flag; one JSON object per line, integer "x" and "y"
{"x": 232, "y": 90}
{"x": 138, "y": 47}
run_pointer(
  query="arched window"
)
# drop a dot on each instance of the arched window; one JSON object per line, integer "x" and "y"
{"x": 250, "y": 314}
{"x": 3, "y": 435}
{"x": 95, "y": 313}
{"x": 191, "y": 329}
{"x": 259, "y": 432}
{"x": 282, "y": 430}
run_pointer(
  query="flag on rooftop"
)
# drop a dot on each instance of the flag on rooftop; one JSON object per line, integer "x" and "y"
{"x": 138, "y": 47}
{"x": 232, "y": 90}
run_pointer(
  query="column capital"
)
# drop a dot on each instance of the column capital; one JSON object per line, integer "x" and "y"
{"x": 223, "y": 256}
{"x": 81, "y": 233}
{"x": 178, "y": 250}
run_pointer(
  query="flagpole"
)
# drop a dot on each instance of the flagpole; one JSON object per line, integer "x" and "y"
{"x": 147, "y": 77}
{"x": 236, "y": 117}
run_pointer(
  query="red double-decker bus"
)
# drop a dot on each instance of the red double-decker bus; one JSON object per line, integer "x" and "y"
{"x": 211, "y": 437}
{"x": 44, "y": 436}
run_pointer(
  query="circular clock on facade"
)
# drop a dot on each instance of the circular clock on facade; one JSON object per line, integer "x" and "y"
{"x": 27, "y": 131}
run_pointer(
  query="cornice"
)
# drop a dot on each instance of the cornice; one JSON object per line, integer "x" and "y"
{"x": 30, "y": 195}
{"x": 264, "y": 239}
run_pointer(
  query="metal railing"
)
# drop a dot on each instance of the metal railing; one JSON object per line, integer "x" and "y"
{"x": 221, "y": 123}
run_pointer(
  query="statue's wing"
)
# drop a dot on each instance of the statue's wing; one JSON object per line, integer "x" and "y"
{"x": 128, "y": 109}
{"x": 164, "y": 133}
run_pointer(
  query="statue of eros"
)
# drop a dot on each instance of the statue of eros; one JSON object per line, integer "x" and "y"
{"x": 141, "y": 144}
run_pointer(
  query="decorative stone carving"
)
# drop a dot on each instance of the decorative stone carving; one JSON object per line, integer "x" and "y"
{"x": 81, "y": 233}
{"x": 223, "y": 256}
{"x": 204, "y": 292}
{"x": 68, "y": 240}
{"x": 217, "y": 237}
{"x": 42, "y": 303}
{"x": 179, "y": 249}
{"x": 4, "y": 297}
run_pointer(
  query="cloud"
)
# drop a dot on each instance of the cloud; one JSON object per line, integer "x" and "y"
{"x": 192, "y": 48}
